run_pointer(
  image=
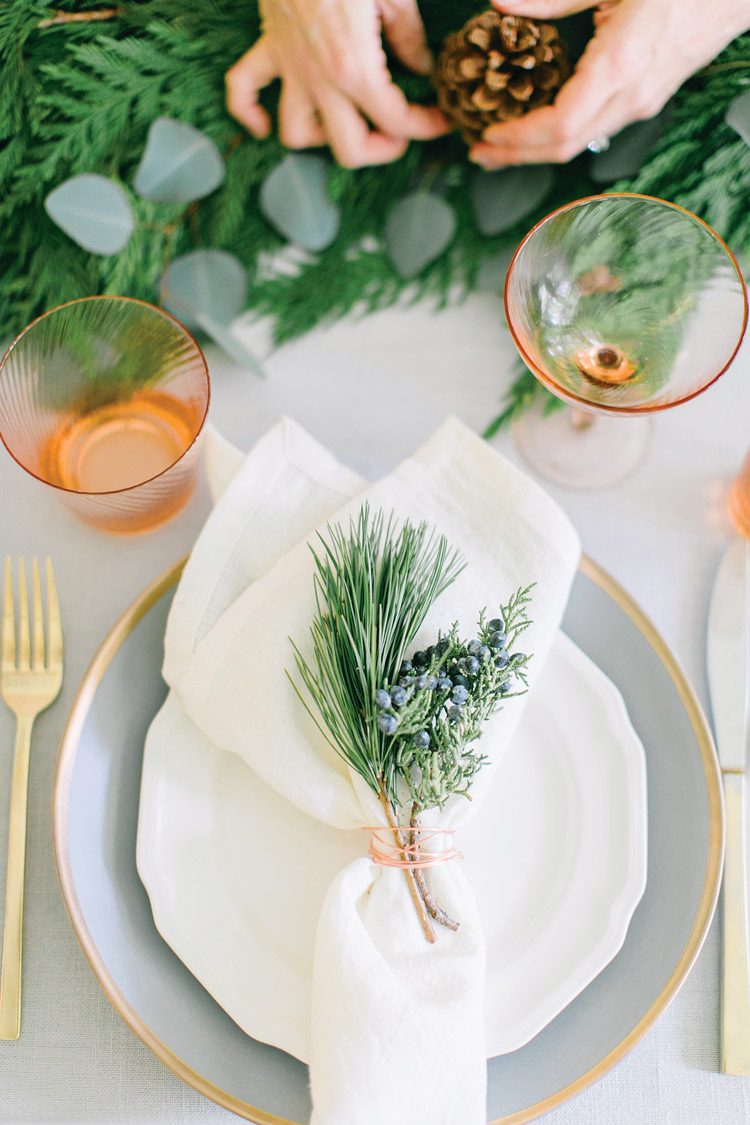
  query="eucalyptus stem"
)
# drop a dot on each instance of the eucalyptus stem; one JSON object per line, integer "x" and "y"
{"x": 718, "y": 68}
{"x": 409, "y": 872}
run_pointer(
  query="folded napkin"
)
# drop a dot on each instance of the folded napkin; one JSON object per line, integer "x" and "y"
{"x": 397, "y": 1024}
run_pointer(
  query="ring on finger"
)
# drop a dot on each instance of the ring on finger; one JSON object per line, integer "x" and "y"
{"x": 598, "y": 144}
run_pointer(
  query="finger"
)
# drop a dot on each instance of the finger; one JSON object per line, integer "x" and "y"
{"x": 244, "y": 81}
{"x": 577, "y": 104}
{"x": 404, "y": 30}
{"x": 361, "y": 75}
{"x": 351, "y": 141}
{"x": 542, "y": 9}
{"x": 608, "y": 123}
{"x": 299, "y": 123}
{"x": 369, "y": 86}
{"x": 388, "y": 109}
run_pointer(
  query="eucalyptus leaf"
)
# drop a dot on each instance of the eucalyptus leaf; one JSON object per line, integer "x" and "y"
{"x": 204, "y": 284}
{"x": 738, "y": 116}
{"x": 92, "y": 210}
{"x": 628, "y": 150}
{"x": 501, "y": 199}
{"x": 294, "y": 199}
{"x": 492, "y": 271}
{"x": 417, "y": 230}
{"x": 179, "y": 163}
{"x": 206, "y": 290}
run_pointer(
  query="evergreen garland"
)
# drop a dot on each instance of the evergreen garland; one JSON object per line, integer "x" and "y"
{"x": 79, "y": 96}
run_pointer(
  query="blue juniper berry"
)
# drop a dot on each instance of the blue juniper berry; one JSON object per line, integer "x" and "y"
{"x": 433, "y": 715}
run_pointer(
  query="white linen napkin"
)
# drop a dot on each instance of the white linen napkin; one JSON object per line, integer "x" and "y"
{"x": 397, "y": 1024}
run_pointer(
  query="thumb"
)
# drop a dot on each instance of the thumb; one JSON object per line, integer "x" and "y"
{"x": 404, "y": 30}
{"x": 542, "y": 9}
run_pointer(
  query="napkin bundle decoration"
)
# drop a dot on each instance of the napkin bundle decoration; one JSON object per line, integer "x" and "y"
{"x": 392, "y": 1027}
{"x": 408, "y": 727}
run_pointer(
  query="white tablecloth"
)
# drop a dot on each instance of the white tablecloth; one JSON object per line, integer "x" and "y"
{"x": 371, "y": 391}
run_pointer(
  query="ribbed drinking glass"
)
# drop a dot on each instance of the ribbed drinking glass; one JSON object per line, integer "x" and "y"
{"x": 104, "y": 399}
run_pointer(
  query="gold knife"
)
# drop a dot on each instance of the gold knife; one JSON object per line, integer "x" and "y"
{"x": 729, "y": 683}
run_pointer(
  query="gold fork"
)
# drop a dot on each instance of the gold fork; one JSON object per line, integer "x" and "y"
{"x": 30, "y": 679}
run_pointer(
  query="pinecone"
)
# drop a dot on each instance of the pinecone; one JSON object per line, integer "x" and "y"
{"x": 497, "y": 68}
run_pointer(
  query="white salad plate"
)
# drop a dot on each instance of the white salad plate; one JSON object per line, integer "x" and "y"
{"x": 549, "y": 789}
{"x": 556, "y": 853}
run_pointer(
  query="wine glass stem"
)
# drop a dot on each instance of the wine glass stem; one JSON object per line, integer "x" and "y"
{"x": 581, "y": 419}
{"x": 739, "y": 499}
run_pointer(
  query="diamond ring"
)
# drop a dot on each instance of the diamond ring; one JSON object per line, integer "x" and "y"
{"x": 598, "y": 144}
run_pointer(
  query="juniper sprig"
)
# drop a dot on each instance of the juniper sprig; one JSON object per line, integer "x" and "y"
{"x": 374, "y": 585}
{"x": 436, "y": 711}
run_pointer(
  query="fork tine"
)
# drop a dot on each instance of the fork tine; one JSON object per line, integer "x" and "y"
{"x": 54, "y": 627}
{"x": 37, "y": 635}
{"x": 23, "y": 642}
{"x": 9, "y": 632}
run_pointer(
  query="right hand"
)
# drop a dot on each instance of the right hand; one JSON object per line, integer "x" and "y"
{"x": 641, "y": 53}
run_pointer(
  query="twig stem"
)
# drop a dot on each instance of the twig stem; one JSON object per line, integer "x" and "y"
{"x": 433, "y": 909}
{"x": 80, "y": 17}
{"x": 409, "y": 872}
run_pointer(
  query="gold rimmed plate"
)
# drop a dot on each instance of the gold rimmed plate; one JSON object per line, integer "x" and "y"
{"x": 95, "y": 820}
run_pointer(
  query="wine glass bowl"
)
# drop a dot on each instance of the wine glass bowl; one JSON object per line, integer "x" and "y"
{"x": 625, "y": 304}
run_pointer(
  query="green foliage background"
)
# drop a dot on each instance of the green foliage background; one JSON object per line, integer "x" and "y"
{"x": 79, "y": 97}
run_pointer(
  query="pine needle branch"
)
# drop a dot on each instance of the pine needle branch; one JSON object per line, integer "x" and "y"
{"x": 374, "y": 586}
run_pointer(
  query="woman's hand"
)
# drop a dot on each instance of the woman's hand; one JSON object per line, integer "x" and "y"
{"x": 335, "y": 85}
{"x": 641, "y": 52}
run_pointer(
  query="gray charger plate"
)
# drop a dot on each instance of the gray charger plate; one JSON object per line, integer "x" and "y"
{"x": 95, "y": 817}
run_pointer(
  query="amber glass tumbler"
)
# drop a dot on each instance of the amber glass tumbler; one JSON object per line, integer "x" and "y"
{"x": 105, "y": 399}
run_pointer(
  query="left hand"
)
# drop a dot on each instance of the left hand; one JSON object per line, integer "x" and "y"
{"x": 336, "y": 88}
{"x": 641, "y": 53}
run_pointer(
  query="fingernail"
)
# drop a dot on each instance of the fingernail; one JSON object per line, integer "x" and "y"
{"x": 483, "y": 163}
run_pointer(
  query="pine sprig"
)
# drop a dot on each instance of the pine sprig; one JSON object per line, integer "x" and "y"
{"x": 374, "y": 586}
{"x": 396, "y": 721}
